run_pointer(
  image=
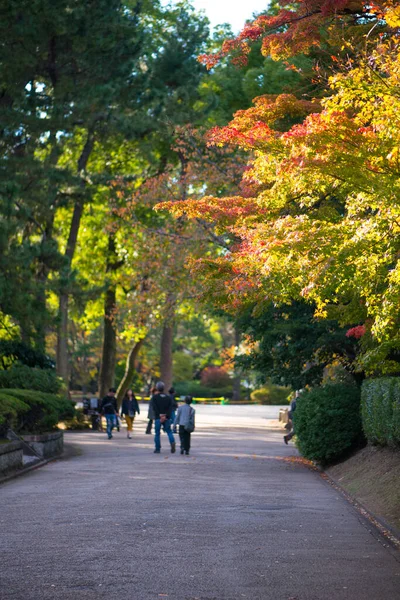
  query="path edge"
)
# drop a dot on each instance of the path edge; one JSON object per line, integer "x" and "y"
{"x": 385, "y": 529}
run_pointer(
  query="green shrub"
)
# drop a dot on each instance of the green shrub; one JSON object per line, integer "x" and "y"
{"x": 327, "y": 421}
{"x": 28, "y": 378}
{"x": 271, "y": 394}
{"x": 380, "y": 409}
{"x": 10, "y": 410}
{"x": 15, "y": 351}
{"x": 36, "y": 412}
{"x": 194, "y": 388}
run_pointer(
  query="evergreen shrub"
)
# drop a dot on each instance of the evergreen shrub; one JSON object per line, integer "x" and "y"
{"x": 380, "y": 409}
{"x": 327, "y": 421}
{"x": 271, "y": 394}
{"x": 194, "y": 388}
{"x": 30, "y": 378}
{"x": 28, "y": 411}
{"x": 11, "y": 409}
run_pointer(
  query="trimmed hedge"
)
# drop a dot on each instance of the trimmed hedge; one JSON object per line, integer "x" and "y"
{"x": 327, "y": 421}
{"x": 380, "y": 409}
{"x": 10, "y": 410}
{"x": 29, "y": 378}
{"x": 271, "y": 394}
{"x": 28, "y": 411}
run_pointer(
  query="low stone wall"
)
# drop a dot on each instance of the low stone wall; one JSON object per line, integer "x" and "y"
{"x": 46, "y": 445}
{"x": 11, "y": 457}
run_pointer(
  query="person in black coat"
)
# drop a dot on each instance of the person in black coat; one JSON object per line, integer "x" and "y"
{"x": 129, "y": 409}
{"x": 162, "y": 407}
{"x": 109, "y": 409}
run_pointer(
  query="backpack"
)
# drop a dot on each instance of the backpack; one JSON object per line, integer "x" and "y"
{"x": 190, "y": 426}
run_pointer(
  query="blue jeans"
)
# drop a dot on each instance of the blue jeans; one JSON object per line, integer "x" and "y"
{"x": 110, "y": 424}
{"x": 167, "y": 428}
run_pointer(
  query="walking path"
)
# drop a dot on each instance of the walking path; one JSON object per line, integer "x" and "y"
{"x": 241, "y": 517}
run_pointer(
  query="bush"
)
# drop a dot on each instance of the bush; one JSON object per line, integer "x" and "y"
{"x": 29, "y": 411}
{"x": 215, "y": 377}
{"x": 327, "y": 422}
{"x": 194, "y": 388}
{"x": 29, "y": 378}
{"x": 380, "y": 409}
{"x": 271, "y": 394}
{"x": 10, "y": 410}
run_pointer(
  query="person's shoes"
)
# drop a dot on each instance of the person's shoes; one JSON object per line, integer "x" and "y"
{"x": 129, "y": 436}
{"x": 173, "y": 447}
{"x": 285, "y": 439}
{"x": 110, "y": 437}
{"x": 187, "y": 452}
{"x": 156, "y": 452}
{"x": 148, "y": 432}
{"x": 182, "y": 451}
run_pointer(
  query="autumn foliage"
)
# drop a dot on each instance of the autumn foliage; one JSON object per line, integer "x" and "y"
{"x": 299, "y": 26}
{"x": 320, "y": 219}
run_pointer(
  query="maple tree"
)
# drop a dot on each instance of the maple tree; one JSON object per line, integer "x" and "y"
{"x": 320, "y": 218}
{"x": 296, "y": 27}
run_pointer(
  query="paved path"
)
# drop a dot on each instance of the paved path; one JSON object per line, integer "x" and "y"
{"x": 240, "y": 518}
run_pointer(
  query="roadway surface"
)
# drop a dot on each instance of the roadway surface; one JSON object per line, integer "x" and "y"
{"x": 241, "y": 517}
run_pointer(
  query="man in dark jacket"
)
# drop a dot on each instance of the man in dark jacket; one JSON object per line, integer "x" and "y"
{"x": 109, "y": 409}
{"x": 162, "y": 407}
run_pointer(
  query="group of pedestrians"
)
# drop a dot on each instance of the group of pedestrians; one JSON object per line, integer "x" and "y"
{"x": 163, "y": 411}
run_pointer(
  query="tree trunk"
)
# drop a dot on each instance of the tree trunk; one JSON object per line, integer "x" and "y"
{"x": 129, "y": 370}
{"x": 237, "y": 377}
{"x": 62, "y": 333}
{"x": 62, "y": 338}
{"x": 109, "y": 353}
{"x": 167, "y": 338}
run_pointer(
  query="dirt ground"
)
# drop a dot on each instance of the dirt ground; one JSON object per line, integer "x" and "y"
{"x": 372, "y": 476}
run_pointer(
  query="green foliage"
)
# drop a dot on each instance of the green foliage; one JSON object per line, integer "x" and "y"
{"x": 10, "y": 410}
{"x": 380, "y": 409}
{"x": 327, "y": 422}
{"x": 12, "y": 351}
{"x": 28, "y": 378}
{"x": 293, "y": 347}
{"x": 34, "y": 412}
{"x": 195, "y": 389}
{"x": 271, "y": 394}
{"x": 183, "y": 366}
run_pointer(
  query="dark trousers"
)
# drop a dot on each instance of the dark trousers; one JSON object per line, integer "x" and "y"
{"x": 185, "y": 438}
{"x": 149, "y": 426}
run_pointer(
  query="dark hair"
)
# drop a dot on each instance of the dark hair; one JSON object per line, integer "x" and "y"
{"x": 160, "y": 386}
{"x": 171, "y": 391}
{"x": 133, "y": 394}
{"x": 188, "y": 399}
{"x": 113, "y": 390}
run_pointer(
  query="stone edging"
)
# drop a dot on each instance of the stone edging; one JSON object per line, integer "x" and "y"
{"x": 27, "y": 469}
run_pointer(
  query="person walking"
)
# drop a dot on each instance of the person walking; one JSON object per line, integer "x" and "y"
{"x": 129, "y": 408}
{"x": 292, "y": 408}
{"x": 185, "y": 419}
{"x": 150, "y": 412}
{"x": 109, "y": 409}
{"x": 162, "y": 408}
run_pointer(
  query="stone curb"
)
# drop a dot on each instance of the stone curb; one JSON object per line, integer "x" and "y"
{"x": 24, "y": 470}
{"x": 388, "y": 531}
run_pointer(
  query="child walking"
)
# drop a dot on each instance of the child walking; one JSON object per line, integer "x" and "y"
{"x": 185, "y": 419}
